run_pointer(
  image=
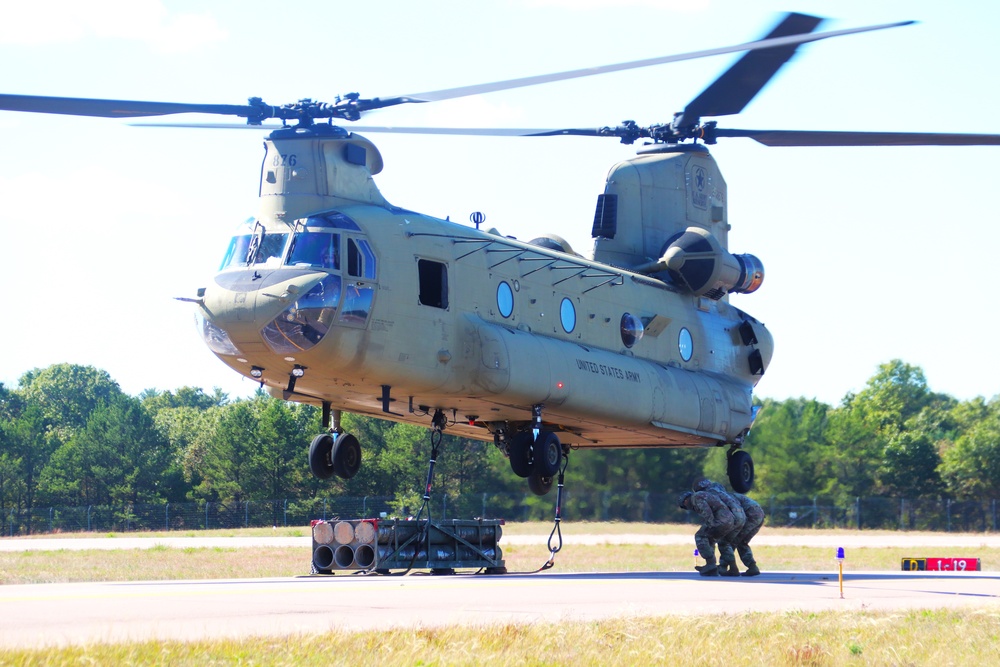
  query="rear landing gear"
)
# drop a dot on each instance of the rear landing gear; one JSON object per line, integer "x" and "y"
{"x": 539, "y": 484}
{"x": 740, "y": 470}
{"x": 534, "y": 454}
{"x": 519, "y": 453}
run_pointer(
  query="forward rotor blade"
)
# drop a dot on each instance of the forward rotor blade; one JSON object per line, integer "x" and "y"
{"x": 732, "y": 91}
{"x": 821, "y": 138}
{"x": 768, "y": 43}
{"x": 389, "y": 129}
{"x": 79, "y": 106}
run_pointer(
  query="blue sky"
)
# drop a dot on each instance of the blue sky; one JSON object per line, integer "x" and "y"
{"x": 871, "y": 254}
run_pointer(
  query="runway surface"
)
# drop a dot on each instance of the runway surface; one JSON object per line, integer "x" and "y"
{"x": 57, "y": 614}
{"x": 848, "y": 541}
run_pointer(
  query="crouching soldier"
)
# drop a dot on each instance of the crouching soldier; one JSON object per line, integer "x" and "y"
{"x": 717, "y": 521}
{"x": 727, "y": 557}
{"x": 755, "y": 519}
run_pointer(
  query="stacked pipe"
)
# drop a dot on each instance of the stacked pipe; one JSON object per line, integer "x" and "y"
{"x": 384, "y": 544}
{"x": 343, "y": 545}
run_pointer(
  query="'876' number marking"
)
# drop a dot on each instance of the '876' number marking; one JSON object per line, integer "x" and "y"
{"x": 284, "y": 160}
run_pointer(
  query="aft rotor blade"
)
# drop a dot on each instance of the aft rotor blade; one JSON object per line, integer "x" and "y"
{"x": 473, "y": 131}
{"x": 732, "y": 91}
{"x": 79, "y": 106}
{"x": 821, "y": 138}
{"x": 352, "y": 106}
{"x": 768, "y": 43}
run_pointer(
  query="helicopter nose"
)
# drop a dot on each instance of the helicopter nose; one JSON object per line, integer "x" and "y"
{"x": 239, "y": 311}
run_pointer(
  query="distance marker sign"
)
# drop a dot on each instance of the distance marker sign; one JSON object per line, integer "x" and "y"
{"x": 949, "y": 564}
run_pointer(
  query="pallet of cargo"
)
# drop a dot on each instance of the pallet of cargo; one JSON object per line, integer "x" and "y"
{"x": 383, "y": 545}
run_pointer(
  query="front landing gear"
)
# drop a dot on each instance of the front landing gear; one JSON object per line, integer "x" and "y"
{"x": 334, "y": 453}
{"x": 740, "y": 469}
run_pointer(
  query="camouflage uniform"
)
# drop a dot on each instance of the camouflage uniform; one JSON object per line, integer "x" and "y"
{"x": 755, "y": 519}
{"x": 727, "y": 559}
{"x": 717, "y": 522}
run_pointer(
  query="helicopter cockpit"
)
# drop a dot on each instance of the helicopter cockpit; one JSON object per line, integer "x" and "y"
{"x": 330, "y": 244}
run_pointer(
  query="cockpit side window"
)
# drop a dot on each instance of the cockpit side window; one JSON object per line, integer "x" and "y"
{"x": 360, "y": 259}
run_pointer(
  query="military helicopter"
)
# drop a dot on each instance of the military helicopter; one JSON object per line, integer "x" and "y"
{"x": 333, "y": 296}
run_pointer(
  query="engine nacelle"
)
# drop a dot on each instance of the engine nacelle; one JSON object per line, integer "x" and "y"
{"x": 695, "y": 261}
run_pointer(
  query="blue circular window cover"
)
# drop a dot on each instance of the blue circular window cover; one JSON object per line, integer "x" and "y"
{"x": 505, "y": 299}
{"x": 567, "y": 314}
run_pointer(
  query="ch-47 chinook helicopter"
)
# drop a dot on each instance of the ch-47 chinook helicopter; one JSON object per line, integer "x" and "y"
{"x": 334, "y": 297}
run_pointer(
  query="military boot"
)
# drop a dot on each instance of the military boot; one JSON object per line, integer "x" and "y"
{"x": 752, "y": 571}
{"x": 729, "y": 570}
{"x": 710, "y": 570}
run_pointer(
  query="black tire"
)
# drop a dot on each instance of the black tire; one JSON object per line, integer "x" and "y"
{"x": 539, "y": 484}
{"x": 519, "y": 451}
{"x": 740, "y": 471}
{"x": 346, "y": 456}
{"x": 321, "y": 456}
{"x": 547, "y": 454}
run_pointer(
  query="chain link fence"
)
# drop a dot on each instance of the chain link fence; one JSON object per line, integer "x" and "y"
{"x": 635, "y": 506}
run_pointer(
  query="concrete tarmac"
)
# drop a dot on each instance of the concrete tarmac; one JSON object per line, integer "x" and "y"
{"x": 60, "y": 614}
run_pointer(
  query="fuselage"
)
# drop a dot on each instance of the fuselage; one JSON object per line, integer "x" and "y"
{"x": 377, "y": 310}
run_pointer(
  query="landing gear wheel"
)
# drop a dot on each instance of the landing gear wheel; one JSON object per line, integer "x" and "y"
{"x": 548, "y": 454}
{"x": 539, "y": 484}
{"x": 519, "y": 451}
{"x": 321, "y": 456}
{"x": 346, "y": 456}
{"x": 740, "y": 469}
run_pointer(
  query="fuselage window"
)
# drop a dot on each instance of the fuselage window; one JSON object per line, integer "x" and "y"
{"x": 433, "y": 283}
{"x": 685, "y": 344}
{"x": 567, "y": 313}
{"x": 505, "y": 299}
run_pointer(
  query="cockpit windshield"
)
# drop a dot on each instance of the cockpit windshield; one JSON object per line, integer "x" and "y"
{"x": 318, "y": 248}
{"x": 252, "y": 244}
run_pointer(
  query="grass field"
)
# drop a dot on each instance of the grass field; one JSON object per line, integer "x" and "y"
{"x": 919, "y": 637}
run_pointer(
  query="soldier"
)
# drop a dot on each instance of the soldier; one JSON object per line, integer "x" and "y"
{"x": 755, "y": 519}
{"x": 717, "y": 522}
{"x": 727, "y": 559}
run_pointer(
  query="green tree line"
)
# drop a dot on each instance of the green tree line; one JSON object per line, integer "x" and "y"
{"x": 70, "y": 437}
